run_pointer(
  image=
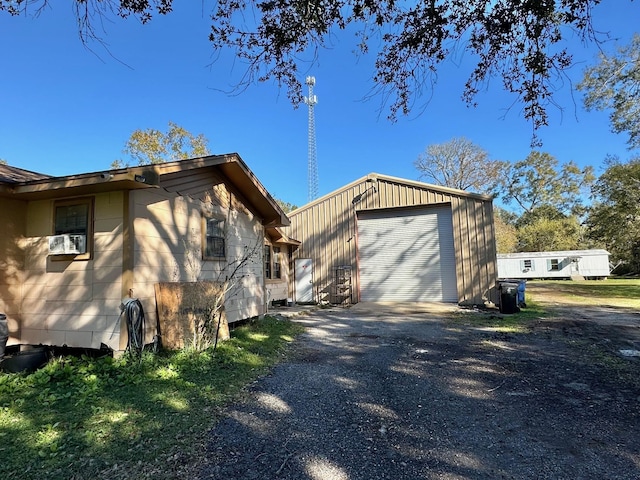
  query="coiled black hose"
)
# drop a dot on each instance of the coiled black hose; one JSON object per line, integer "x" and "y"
{"x": 134, "y": 313}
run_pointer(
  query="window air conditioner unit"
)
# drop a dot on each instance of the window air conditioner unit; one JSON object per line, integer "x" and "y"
{"x": 67, "y": 244}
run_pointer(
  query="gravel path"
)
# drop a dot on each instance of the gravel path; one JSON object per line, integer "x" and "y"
{"x": 412, "y": 396}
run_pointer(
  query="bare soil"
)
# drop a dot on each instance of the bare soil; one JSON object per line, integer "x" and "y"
{"x": 414, "y": 394}
{"x": 610, "y": 326}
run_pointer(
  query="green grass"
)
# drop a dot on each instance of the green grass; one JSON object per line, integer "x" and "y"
{"x": 127, "y": 418}
{"x": 512, "y": 323}
{"x": 612, "y": 292}
{"x": 623, "y": 293}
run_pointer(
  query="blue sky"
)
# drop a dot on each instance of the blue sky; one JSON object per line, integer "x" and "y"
{"x": 67, "y": 110}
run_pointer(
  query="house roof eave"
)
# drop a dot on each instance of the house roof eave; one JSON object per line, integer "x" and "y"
{"x": 32, "y": 186}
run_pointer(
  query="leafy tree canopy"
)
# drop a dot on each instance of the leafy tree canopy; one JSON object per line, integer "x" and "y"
{"x": 614, "y": 218}
{"x": 544, "y": 212}
{"x": 507, "y": 216}
{"x": 546, "y": 234}
{"x": 519, "y": 41}
{"x": 152, "y": 146}
{"x": 286, "y": 206}
{"x": 539, "y": 180}
{"x": 614, "y": 84}
{"x": 460, "y": 164}
{"x": 506, "y": 233}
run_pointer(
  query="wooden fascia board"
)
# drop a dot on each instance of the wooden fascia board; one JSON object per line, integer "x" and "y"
{"x": 254, "y": 193}
{"x": 245, "y": 184}
{"x": 277, "y": 236}
{"x": 82, "y": 184}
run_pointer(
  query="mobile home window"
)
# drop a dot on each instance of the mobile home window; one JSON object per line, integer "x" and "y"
{"x": 214, "y": 239}
{"x": 554, "y": 264}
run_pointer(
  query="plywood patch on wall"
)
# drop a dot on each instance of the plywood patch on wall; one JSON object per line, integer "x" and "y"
{"x": 179, "y": 304}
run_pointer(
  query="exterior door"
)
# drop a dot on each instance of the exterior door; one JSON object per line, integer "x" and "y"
{"x": 304, "y": 280}
{"x": 407, "y": 255}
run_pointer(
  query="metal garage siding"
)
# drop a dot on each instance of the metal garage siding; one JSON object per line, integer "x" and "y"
{"x": 407, "y": 255}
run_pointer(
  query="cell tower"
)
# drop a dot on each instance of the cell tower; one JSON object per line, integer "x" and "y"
{"x": 311, "y": 101}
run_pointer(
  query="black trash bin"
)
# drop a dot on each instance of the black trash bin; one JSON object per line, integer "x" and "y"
{"x": 508, "y": 297}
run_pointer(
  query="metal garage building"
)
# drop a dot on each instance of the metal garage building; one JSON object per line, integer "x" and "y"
{"x": 384, "y": 238}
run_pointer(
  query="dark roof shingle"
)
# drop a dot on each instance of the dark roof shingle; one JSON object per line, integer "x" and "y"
{"x": 9, "y": 174}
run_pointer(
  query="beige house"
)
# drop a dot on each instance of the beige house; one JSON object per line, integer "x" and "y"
{"x": 383, "y": 238}
{"x": 73, "y": 247}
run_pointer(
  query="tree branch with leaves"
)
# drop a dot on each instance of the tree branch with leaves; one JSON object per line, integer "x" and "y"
{"x": 460, "y": 164}
{"x": 151, "y": 146}
{"x": 521, "y": 42}
{"x": 540, "y": 180}
{"x": 613, "y": 84}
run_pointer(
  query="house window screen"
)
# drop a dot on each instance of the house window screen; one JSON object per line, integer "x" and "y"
{"x": 72, "y": 219}
{"x": 554, "y": 265}
{"x": 215, "y": 245}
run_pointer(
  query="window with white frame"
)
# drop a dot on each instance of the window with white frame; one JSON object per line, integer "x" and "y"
{"x": 554, "y": 264}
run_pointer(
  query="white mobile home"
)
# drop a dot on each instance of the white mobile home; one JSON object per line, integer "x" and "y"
{"x": 589, "y": 264}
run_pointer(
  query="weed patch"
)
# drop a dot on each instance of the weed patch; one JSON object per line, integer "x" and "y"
{"x": 513, "y": 323}
{"x": 130, "y": 417}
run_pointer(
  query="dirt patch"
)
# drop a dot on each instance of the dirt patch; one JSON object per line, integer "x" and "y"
{"x": 608, "y": 327}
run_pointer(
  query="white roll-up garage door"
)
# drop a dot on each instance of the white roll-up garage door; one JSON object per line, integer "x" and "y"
{"x": 407, "y": 255}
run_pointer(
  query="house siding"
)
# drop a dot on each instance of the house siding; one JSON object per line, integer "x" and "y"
{"x": 279, "y": 288}
{"x": 12, "y": 259}
{"x": 144, "y": 221}
{"x": 327, "y": 230}
{"x": 73, "y": 302}
{"x": 167, "y": 247}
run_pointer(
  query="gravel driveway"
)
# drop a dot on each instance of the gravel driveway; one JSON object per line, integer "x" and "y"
{"x": 375, "y": 394}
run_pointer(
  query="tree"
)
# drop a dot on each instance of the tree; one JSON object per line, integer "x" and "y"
{"x": 614, "y": 84}
{"x": 519, "y": 41}
{"x": 614, "y": 218}
{"x": 539, "y": 180}
{"x": 152, "y": 146}
{"x": 286, "y": 206}
{"x": 506, "y": 232}
{"x": 460, "y": 164}
{"x": 547, "y": 228}
{"x": 549, "y": 235}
